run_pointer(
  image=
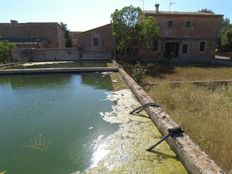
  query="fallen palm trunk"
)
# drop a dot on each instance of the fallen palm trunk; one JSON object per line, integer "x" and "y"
{"x": 193, "y": 158}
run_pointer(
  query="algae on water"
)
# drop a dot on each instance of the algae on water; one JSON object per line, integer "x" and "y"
{"x": 125, "y": 150}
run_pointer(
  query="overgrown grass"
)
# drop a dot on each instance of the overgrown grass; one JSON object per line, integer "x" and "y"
{"x": 161, "y": 72}
{"x": 204, "y": 112}
{"x": 192, "y": 73}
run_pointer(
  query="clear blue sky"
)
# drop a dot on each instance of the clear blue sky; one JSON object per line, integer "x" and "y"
{"x": 86, "y": 14}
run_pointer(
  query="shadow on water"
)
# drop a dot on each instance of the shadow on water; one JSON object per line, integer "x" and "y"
{"x": 96, "y": 80}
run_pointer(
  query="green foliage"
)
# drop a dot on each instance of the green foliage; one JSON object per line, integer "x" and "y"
{"x": 5, "y": 50}
{"x": 225, "y": 42}
{"x": 223, "y": 29}
{"x": 130, "y": 27}
{"x": 226, "y": 38}
{"x": 150, "y": 31}
{"x": 126, "y": 29}
{"x": 138, "y": 72}
{"x": 68, "y": 41}
{"x": 206, "y": 10}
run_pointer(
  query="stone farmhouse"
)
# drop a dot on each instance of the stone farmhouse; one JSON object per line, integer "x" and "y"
{"x": 184, "y": 36}
{"x": 97, "y": 40}
{"x": 33, "y": 35}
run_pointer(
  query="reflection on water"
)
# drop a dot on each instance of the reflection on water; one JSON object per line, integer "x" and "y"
{"x": 3, "y": 172}
{"x": 48, "y": 123}
{"x": 38, "y": 143}
{"x": 64, "y": 123}
{"x": 99, "y": 151}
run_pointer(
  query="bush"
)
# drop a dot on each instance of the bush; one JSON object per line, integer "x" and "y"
{"x": 138, "y": 72}
{"x": 5, "y": 50}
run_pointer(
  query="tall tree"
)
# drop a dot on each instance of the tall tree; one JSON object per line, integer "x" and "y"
{"x": 150, "y": 31}
{"x": 126, "y": 29}
{"x": 130, "y": 27}
{"x": 68, "y": 41}
{"x": 226, "y": 39}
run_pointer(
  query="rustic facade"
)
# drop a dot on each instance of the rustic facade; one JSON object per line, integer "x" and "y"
{"x": 184, "y": 36}
{"x": 33, "y": 35}
{"x": 74, "y": 37}
{"x": 98, "y": 40}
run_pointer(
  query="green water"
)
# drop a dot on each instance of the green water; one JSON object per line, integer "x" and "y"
{"x": 49, "y": 124}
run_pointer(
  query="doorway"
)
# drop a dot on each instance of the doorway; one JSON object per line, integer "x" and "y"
{"x": 172, "y": 49}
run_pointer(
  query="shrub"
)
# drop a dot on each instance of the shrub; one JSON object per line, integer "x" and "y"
{"x": 138, "y": 72}
{"x": 5, "y": 50}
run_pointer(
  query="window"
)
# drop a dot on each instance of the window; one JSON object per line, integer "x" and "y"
{"x": 202, "y": 46}
{"x": 95, "y": 42}
{"x": 188, "y": 24}
{"x": 170, "y": 23}
{"x": 185, "y": 48}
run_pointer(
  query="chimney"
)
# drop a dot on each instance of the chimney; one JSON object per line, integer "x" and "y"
{"x": 13, "y": 22}
{"x": 157, "y": 8}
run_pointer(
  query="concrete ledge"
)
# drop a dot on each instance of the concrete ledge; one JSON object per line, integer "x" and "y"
{"x": 192, "y": 157}
{"x": 58, "y": 70}
{"x": 10, "y": 65}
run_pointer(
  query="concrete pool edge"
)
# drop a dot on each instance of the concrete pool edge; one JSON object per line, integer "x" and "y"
{"x": 58, "y": 70}
{"x": 192, "y": 157}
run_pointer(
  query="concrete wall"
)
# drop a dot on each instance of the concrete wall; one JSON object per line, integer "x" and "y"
{"x": 57, "y": 55}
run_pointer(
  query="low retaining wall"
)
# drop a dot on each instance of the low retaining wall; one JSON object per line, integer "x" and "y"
{"x": 192, "y": 157}
{"x": 57, "y": 70}
{"x": 56, "y": 54}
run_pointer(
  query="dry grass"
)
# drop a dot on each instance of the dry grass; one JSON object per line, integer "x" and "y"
{"x": 180, "y": 73}
{"x": 205, "y": 114}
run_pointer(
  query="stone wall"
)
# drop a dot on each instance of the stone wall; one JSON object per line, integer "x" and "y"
{"x": 74, "y": 38}
{"x": 67, "y": 54}
{"x": 104, "y": 36}
{"x": 203, "y": 28}
{"x": 51, "y": 33}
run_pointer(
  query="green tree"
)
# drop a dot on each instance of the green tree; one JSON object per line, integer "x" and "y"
{"x": 68, "y": 41}
{"x": 130, "y": 27}
{"x": 5, "y": 50}
{"x": 126, "y": 29}
{"x": 226, "y": 38}
{"x": 150, "y": 31}
{"x": 206, "y": 10}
